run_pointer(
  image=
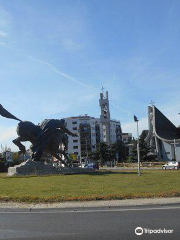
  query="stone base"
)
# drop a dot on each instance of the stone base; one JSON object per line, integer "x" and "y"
{"x": 38, "y": 168}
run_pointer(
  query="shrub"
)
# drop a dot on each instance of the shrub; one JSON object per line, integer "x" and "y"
{"x": 3, "y": 166}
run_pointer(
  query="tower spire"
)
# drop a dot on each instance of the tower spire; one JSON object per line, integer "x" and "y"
{"x": 102, "y": 89}
{"x": 152, "y": 103}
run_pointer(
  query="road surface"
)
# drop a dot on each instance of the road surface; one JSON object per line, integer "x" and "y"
{"x": 90, "y": 223}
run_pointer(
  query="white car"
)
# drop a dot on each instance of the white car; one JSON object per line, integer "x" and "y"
{"x": 171, "y": 165}
{"x": 82, "y": 165}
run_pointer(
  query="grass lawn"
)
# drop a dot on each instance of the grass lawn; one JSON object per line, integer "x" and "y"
{"x": 93, "y": 186}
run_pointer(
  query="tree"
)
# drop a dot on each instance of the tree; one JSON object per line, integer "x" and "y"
{"x": 118, "y": 149}
{"x": 143, "y": 147}
{"x": 133, "y": 156}
{"x": 106, "y": 153}
{"x": 102, "y": 152}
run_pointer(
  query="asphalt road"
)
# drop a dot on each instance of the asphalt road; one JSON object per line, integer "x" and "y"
{"x": 88, "y": 223}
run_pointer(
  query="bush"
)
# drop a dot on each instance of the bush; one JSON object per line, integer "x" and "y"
{"x": 3, "y": 167}
{"x": 130, "y": 159}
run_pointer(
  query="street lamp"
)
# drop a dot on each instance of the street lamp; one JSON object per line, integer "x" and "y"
{"x": 79, "y": 134}
{"x": 138, "y": 152}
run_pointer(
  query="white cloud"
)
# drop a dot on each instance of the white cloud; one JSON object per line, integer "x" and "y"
{"x": 121, "y": 109}
{"x": 2, "y": 43}
{"x": 57, "y": 107}
{"x": 4, "y": 17}
{"x": 7, "y": 133}
{"x": 3, "y": 34}
{"x": 88, "y": 97}
{"x": 70, "y": 44}
{"x": 65, "y": 75}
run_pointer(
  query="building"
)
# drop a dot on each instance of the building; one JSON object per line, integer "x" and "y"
{"x": 163, "y": 136}
{"x": 105, "y": 117}
{"x": 126, "y": 137}
{"x": 92, "y": 131}
{"x": 8, "y": 156}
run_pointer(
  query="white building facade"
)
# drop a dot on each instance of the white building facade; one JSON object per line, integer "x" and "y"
{"x": 126, "y": 137}
{"x": 91, "y": 130}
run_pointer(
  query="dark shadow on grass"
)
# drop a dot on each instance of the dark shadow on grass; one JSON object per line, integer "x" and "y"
{"x": 118, "y": 172}
{"x": 96, "y": 173}
{"x": 100, "y": 173}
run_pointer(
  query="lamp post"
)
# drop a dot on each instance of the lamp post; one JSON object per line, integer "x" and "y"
{"x": 79, "y": 132}
{"x": 138, "y": 152}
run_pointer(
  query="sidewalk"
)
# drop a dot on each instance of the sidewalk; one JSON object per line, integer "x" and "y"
{"x": 112, "y": 203}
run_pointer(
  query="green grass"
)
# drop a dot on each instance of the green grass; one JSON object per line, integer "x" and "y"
{"x": 94, "y": 186}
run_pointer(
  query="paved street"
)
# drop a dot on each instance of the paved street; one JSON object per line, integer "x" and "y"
{"x": 89, "y": 223}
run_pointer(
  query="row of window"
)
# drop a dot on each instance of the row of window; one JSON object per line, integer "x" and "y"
{"x": 85, "y": 128}
{"x": 85, "y": 122}
{"x": 76, "y": 147}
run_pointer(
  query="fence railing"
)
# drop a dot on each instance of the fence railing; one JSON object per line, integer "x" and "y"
{"x": 143, "y": 164}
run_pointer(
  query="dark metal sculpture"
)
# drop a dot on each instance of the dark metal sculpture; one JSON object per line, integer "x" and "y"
{"x": 45, "y": 137}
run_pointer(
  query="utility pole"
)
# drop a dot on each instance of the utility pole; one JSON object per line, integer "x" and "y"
{"x": 138, "y": 152}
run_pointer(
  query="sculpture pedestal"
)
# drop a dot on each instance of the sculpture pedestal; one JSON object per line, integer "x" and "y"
{"x": 38, "y": 168}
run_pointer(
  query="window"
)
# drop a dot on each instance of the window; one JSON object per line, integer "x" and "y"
{"x": 74, "y": 141}
{"x": 74, "y": 122}
{"x": 74, "y": 128}
{"x": 75, "y": 147}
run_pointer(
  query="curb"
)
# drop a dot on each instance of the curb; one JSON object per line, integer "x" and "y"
{"x": 92, "y": 204}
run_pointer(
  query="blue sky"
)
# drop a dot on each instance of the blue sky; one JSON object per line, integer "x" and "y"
{"x": 55, "y": 56}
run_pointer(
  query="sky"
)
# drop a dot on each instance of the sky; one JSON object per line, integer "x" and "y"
{"x": 56, "y": 55}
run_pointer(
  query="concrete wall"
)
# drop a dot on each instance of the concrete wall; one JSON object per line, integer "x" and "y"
{"x": 178, "y": 152}
{"x": 167, "y": 152}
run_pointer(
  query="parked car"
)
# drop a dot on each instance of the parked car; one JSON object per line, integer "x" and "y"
{"x": 171, "y": 165}
{"x": 83, "y": 165}
{"x": 92, "y": 165}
